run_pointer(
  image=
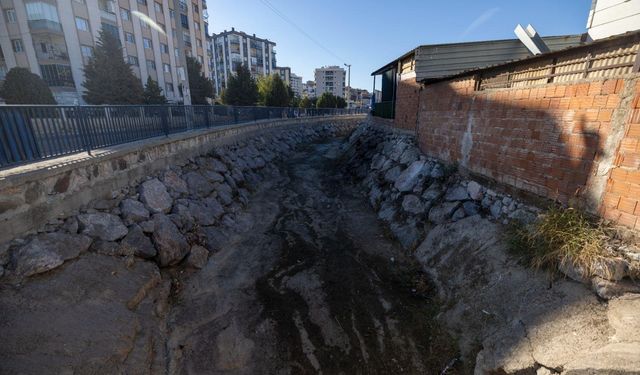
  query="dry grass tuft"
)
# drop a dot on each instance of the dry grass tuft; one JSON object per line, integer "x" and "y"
{"x": 561, "y": 237}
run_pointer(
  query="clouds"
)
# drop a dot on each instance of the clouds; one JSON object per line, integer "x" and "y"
{"x": 484, "y": 17}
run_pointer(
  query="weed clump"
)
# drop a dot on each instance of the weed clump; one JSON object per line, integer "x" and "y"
{"x": 559, "y": 238}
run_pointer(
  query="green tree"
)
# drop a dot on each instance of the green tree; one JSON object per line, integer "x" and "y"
{"x": 273, "y": 92}
{"x": 23, "y": 87}
{"x": 294, "y": 100}
{"x": 108, "y": 78}
{"x": 241, "y": 88}
{"x": 305, "y": 103}
{"x": 328, "y": 100}
{"x": 153, "y": 93}
{"x": 200, "y": 86}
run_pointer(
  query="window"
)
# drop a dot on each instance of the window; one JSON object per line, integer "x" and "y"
{"x": 10, "y": 15}
{"x": 174, "y": 33}
{"x": 184, "y": 20}
{"x": 125, "y": 14}
{"x": 166, "y": 68}
{"x": 157, "y": 6}
{"x": 132, "y": 60}
{"x": 57, "y": 75}
{"x": 143, "y": 2}
{"x": 44, "y": 48}
{"x": 172, "y": 13}
{"x": 183, "y": 5}
{"x": 196, "y": 26}
{"x": 151, "y": 65}
{"x": 176, "y": 52}
{"x": 79, "y": 1}
{"x": 147, "y": 43}
{"x": 82, "y": 24}
{"x": 164, "y": 48}
{"x": 129, "y": 38}
{"x": 17, "y": 45}
{"x": 144, "y": 24}
{"x": 111, "y": 29}
{"x": 195, "y": 8}
{"x": 86, "y": 51}
{"x": 198, "y": 42}
{"x": 200, "y": 59}
{"x": 169, "y": 87}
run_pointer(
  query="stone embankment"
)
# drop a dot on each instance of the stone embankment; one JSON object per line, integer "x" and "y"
{"x": 510, "y": 317}
{"x": 118, "y": 262}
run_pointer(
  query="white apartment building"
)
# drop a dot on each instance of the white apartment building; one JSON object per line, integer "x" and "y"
{"x": 55, "y": 38}
{"x": 330, "y": 79}
{"x": 229, "y": 49}
{"x": 296, "y": 85}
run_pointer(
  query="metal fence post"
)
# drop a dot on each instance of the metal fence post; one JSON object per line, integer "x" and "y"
{"x": 235, "y": 115}
{"x": 165, "y": 121}
{"x": 84, "y": 129}
{"x": 206, "y": 116}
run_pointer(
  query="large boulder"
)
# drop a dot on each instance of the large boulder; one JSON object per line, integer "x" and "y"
{"x": 170, "y": 243}
{"x": 107, "y": 227}
{"x": 442, "y": 213}
{"x": 410, "y": 176}
{"x": 133, "y": 211}
{"x": 48, "y": 251}
{"x": 198, "y": 257}
{"x": 198, "y": 185}
{"x": 138, "y": 244}
{"x": 154, "y": 194}
{"x": 174, "y": 182}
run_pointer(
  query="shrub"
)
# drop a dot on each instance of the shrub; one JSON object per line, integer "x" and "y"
{"x": 23, "y": 87}
{"x": 560, "y": 237}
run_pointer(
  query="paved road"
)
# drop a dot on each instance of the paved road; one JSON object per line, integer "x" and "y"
{"x": 308, "y": 283}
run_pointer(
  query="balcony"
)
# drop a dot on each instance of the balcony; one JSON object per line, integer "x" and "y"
{"x": 108, "y": 10}
{"x": 45, "y": 26}
{"x": 51, "y": 55}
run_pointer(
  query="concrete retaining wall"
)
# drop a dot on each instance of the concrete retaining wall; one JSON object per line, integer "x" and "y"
{"x": 35, "y": 194}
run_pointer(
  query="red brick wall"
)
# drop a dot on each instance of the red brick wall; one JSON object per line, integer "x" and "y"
{"x": 548, "y": 140}
{"x": 407, "y": 96}
{"x": 622, "y": 193}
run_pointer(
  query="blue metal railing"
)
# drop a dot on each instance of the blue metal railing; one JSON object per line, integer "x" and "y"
{"x": 31, "y": 133}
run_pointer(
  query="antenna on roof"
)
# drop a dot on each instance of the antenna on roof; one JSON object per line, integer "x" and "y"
{"x": 531, "y": 39}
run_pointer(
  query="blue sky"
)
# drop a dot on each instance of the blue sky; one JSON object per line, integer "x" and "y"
{"x": 369, "y": 34}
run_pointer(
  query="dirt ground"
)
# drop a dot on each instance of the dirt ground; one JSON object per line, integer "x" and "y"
{"x": 308, "y": 283}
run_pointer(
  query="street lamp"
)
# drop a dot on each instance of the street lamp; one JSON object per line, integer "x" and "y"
{"x": 349, "y": 83}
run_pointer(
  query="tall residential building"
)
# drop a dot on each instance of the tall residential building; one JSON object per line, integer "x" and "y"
{"x": 296, "y": 85}
{"x": 330, "y": 79}
{"x": 309, "y": 89}
{"x": 229, "y": 49}
{"x": 55, "y": 39}
{"x": 285, "y": 73}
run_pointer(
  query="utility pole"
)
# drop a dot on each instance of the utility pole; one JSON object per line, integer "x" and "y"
{"x": 349, "y": 83}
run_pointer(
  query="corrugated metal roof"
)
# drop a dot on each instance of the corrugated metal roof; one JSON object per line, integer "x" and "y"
{"x": 633, "y": 35}
{"x": 437, "y": 61}
{"x": 441, "y": 60}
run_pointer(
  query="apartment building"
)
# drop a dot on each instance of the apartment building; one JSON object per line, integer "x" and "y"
{"x": 330, "y": 79}
{"x": 55, "y": 39}
{"x": 230, "y": 49}
{"x": 285, "y": 74}
{"x": 296, "y": 85}
{"x": 309, "y": 89}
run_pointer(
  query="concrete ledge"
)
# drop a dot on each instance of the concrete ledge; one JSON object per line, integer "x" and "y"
{"x": 35, "y": 194}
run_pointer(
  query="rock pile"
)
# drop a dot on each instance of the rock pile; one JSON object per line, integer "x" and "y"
{"x": 411, "y": 192}
{"x": 171, "y": 218}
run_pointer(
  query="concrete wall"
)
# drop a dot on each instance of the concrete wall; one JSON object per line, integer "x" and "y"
{"x": 612, "y": 17}
{"x": 35, "y": 194}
